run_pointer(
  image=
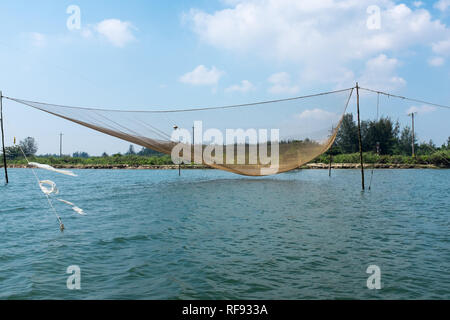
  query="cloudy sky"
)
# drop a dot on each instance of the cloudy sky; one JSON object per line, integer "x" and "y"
{"x": 181, "y": 54}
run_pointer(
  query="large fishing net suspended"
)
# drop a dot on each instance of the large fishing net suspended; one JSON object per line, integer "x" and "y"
{"x": 255, "y": 139}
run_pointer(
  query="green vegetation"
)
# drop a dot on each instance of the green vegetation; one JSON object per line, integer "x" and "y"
{"x": 131, "y": 158}
{"x": 383, "y": 136}
{"x": 383, "y": 142}
{"x": 439, "y": 158}
{"x": 28, "y": 145}
{"x": 115, "y": 160}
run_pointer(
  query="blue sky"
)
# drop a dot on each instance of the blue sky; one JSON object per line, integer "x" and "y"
{"x": 181, "y": 54}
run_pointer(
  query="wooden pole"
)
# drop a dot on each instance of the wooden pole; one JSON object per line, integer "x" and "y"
{"x": 329, "y": 167}
{"x": 359, "y": 138}
{"x": 3, "y": 139}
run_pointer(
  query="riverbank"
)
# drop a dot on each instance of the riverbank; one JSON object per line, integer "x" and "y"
{"x": 440, "y": 159}
{"x": 191, "y": 167}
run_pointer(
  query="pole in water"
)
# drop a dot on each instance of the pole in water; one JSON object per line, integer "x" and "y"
{"x": 329, "y": 167}
{"x": 373, "y": 166}
{"x": 359, "y": 137}
{"x": 175, "y": 127}
{"x": 3, "y": 139}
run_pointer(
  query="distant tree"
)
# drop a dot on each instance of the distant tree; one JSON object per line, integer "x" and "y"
{"x": 131, "y": 150}
{"x": 13, "y": 153}
{"x": 347, "y": 137}
{"x": 383, "y": 132}
{"x": 48, "y": 155}
{"x": 80, "y": 154}
{"x": 29, "y": 146}
{"x": 426, "y": 148}
{"x": 105, "y": 155}
{"x": 149, "y": 152}
{"x": 404, "y": 143}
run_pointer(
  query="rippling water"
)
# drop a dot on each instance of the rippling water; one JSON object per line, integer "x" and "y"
{"x": 213, "y": 235}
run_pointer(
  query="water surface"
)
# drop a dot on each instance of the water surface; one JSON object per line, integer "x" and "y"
{"x": 214, "y": 235}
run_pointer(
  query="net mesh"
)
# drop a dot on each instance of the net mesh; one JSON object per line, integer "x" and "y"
{"x": 255, "y": 139}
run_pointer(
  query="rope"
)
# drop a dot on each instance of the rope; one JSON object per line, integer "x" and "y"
{"x": 28, "y": 102}
{"x": 437, "y": 152}
{"x": 61, "y": 225}
{"x": 405, "y": 98}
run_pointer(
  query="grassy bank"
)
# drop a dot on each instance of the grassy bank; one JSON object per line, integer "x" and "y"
{"x": 438, "y": 159}
{"x": 129, "y": 160}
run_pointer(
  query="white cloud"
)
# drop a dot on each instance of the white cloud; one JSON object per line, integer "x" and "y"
{"x": 421, "y": 110}
{"x": 118, "y": 32}
{"x": 295, "y": 30}
{"x": 311, "y": 34}
{"x": 442, "y": 5}
{"x": 202, "y": 76}
{"x": 318, "y": 115}
{"x": 442, "y": 47}
{"x": 243, "y": 87}
{"x": 417, "y": 4}
{"x": 38, "y": 39}
{"x": 316, "y": 123}
{"x": 86, "y": 33}
{"x": 436, "y": 61}
{"x": 380, "y": 73}
{"x": 281, "y": 83}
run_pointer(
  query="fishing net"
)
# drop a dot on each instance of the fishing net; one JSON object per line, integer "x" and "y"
{"x": 254, "y": 139}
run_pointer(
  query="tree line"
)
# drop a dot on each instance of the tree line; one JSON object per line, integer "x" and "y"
{"x": 383, "y": 136}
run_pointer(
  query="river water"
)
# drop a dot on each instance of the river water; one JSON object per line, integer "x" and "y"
{"x": 210, "y": 234}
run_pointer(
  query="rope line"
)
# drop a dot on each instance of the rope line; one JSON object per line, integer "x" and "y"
{"x": 406, "y": 98}
{"x": 61, "y": 225}
{"x": 28, "y": 102}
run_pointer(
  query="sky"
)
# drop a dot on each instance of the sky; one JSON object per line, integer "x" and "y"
{"x": 160, "y": 55}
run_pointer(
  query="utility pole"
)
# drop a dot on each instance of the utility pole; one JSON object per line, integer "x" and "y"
{"x": 359, "y": 138}
{"x": 60, "y": 145}
{"x": 3, "y": 138}
{"x": 413, "y": 134}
